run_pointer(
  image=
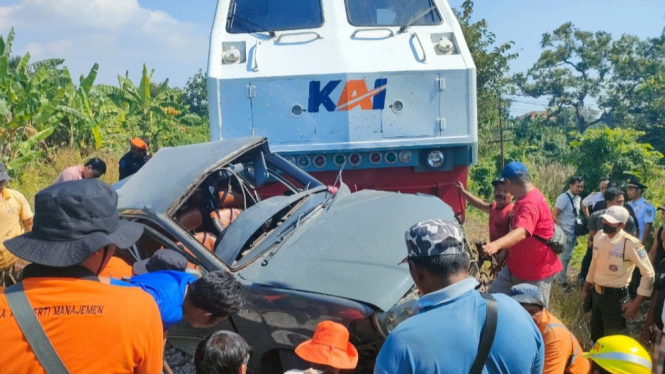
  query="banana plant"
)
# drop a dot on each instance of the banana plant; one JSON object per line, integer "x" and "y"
{"x": 155, "y": 105}
{"x": 29, "y": 96}
{"x": 85, "y": 109}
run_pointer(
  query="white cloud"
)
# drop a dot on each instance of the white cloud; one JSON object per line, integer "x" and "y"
{"x": 118, "y": 34}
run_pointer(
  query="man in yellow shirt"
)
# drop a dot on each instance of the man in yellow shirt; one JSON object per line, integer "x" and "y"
{"x": 14, "y": 210}
{"x": 615, "y": 255}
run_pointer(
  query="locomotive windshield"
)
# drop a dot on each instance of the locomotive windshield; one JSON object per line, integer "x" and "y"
{"x": 248, "y": 16}
{"x": 392, "y": 12}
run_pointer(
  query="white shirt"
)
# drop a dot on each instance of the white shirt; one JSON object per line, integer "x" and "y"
{"x": 592, "y": 199}
{"x": 644, "y": 212}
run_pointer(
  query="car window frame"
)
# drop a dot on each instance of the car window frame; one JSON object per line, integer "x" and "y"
{"x": 159, "y": 238}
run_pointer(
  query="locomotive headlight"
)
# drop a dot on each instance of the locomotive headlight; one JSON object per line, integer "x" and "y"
{"x": 445, "y": 46}
{"x": 435, "y": 159}
{"x": 231, "y": 56}
{"x": 387, "y": 321}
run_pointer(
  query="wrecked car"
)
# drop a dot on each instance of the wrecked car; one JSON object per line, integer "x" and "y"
{"x": 304, "y": 252}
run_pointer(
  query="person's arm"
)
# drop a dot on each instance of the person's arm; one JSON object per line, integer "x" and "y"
{"x": 638, "y": 256}
{"x": 589, "y": 279}
{"x": 650, "y": 216}
{"x": 25, "y": 214}
{"x": 590, "y": 240}
{"x": 506, "y": 241}
{"x": 647, "y": 232}
{"x": 559, "y": 205}
{"x": 646, "y": 335}
{"x": 539, "y": 360}
{"x": 475, "y": 201}
{"x": 557, "y": 354}
{"x": 654, "y": 247}
{"x": 585, "y": 211}
{"x": 123, "y": 168}
{"x": 393, "y": 358}
{"x": 27, "y": 224}
{"x": 555, "y": 215}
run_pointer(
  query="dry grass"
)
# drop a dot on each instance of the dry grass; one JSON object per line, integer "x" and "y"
{"x": 42, "y": 174}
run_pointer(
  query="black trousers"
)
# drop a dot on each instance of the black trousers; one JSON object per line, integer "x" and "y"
{"x": 607, "y": 313}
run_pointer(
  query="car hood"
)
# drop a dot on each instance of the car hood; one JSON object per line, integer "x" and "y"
{"x": 352, "y": 249}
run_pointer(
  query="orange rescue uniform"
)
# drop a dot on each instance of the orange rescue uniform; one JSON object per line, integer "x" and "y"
{"x": 563, "y": 353}
{"x": 117, "y": 268}
{"x": 94, "y": 328}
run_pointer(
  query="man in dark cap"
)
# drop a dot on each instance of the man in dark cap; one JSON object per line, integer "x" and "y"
{"x": 15, "y": 218}
{"x": 62, "y": 317}
{"x": 645, "y": 212}
{"x": 444, "y": 334}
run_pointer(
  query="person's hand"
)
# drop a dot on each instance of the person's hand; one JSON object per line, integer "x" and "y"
{"x": 585, "y": 293}
{"x": 502, "y": 257}
{"x": 499, "y": 262}
{"x": 630, "y": 309}
{"x": 647, "y": 335}
{"x": 460, "y": 186}
{"x": 491, "y": 248}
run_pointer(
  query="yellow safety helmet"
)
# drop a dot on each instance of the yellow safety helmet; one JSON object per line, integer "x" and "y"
{"x": 620, "y": 354}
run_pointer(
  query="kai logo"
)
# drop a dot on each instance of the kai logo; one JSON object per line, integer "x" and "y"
{"x": 354, "y": 94}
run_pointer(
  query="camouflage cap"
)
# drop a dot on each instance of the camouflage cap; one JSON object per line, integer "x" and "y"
{"x": 434, "y": 237}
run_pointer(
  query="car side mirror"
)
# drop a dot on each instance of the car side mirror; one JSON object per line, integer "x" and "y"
{"x": 260, "y": 169}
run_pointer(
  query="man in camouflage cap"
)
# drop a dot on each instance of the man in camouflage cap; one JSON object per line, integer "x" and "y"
{"x": 444, "y": 333}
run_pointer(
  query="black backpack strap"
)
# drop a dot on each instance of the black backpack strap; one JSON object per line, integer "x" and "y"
{"x": 33, "y": 330}
{"x": 572, "y": 203}
{"x": 487, "y": 334}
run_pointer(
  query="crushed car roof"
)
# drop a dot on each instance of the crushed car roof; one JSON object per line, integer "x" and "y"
{"x": 172, "y": 170}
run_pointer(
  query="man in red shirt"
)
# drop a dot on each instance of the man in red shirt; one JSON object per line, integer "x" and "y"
{"x": 529, "y": 260}
{"x": 500, "y": 211}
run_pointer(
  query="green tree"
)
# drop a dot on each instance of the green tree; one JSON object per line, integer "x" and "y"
{"x": 85, "y": 111}
{"x": 196, "y": 95}
{"x": 492, "y": 65}
{"x": 579, "y": 68}
{"x": 614, "y": 152}
{"x": 29, "y": 96}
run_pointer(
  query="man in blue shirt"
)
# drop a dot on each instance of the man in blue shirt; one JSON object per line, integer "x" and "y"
{"x": 204, "y": 302}
{"x": 444, "y": 334}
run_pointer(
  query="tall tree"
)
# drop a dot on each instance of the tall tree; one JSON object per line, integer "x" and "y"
{"x": 580, "y": 70}
{"x": 196, "y": 95}
{"x": 492, "y": 64}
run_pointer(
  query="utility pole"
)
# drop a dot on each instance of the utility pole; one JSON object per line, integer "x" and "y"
{"x": 503, "y": 156}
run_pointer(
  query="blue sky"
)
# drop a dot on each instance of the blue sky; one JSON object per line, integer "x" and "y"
{"x": 172, "y": 36}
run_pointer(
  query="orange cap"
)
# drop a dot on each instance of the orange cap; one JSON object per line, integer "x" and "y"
{"x": 330, "y": 346}
{"x": 139, "y": 143}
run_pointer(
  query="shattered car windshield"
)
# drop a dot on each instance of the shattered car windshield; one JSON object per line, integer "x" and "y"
{"x": 392, "y": 12}
{"x": 248, "y": 16}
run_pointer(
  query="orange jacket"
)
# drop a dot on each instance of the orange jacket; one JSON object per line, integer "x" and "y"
{"x": 94, "y": 328}
{"x": 563, "y": 353}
